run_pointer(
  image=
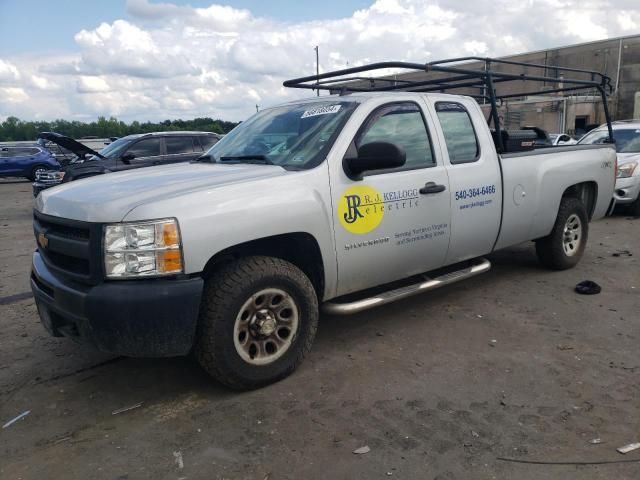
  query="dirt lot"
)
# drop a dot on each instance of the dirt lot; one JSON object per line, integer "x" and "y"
{"x": 510, "y": 364}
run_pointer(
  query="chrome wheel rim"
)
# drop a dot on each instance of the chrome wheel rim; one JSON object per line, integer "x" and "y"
{"x": 572, "y": 235}
{"x": 38, "y": 172}
{"x": 266, "y": 326}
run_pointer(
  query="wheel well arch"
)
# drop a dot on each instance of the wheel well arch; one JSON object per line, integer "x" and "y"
{"x": 298, "y": 248}
{"x": 586, "y": 192}
{"x": 32, "y": 168}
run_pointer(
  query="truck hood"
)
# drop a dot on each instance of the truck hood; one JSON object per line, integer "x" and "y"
{"x": 108, "y": 198}
{"x": 69, "y": 143}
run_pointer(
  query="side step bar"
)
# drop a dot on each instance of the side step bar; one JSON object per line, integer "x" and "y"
{"x": 479, "y": 266}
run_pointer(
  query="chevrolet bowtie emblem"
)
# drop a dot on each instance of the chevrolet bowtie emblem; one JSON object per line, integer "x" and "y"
{"x": 43, "y": 241}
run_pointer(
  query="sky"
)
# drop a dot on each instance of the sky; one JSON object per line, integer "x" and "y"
{"x": 151, "y": 60}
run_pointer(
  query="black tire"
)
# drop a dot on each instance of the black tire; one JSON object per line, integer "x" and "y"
{"x": 224, "y": 302}
{"x": 34, "y": 170}
{"x": 551, "y": 249}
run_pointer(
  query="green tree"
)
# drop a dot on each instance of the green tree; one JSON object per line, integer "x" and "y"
{"x": 14, "y": 129}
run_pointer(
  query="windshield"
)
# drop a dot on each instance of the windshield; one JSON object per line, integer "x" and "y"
{"x": 292, "y": 136}
{"x": 114, "y": 149}
{"x": 624, "y": 137}
{"x": 632, "y": 145}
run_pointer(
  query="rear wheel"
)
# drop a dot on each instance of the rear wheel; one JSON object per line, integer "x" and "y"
{"x": 35, "y": 171}
{"x": 257, "y": 322}
{"x": 564, "y": 246}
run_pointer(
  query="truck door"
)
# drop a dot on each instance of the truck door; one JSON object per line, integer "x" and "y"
{"x": 474, "y": 176}
{"x": 391, "y": 224}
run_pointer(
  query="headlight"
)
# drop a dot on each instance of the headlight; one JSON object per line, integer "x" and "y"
{"x": 56, "y": 176}
{"x": 626, "y": 169}
{"x": 143, "y": 249}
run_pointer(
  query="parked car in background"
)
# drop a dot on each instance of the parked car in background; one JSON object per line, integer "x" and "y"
{"x": 65, "y": 149}
{"x": 26, "y": 161}
{"x": 561, "y": 139}
{"x": 627, "y": 136}
{"x": 126, "y": 153}
{"x": 542, "y": 137}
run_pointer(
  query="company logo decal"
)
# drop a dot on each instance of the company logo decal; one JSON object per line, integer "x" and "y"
{"x": 361, "y": 209}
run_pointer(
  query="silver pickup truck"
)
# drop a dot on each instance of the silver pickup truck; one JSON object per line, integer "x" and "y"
{"x": 339, "y": 203}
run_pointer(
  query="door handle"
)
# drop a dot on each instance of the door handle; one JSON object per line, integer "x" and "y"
{"x": 432, "y": 187}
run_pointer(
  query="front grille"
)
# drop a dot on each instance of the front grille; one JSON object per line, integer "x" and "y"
{"x": 70, "y": 247}
{"x": 68, "y": 263}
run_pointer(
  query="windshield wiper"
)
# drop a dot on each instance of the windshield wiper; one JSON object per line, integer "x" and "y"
{"x": 247, "y": 158}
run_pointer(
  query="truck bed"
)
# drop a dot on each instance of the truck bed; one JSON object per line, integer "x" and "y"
{"x": 534, "y": 181}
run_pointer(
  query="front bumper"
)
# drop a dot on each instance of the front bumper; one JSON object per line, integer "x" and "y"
{"x": 136, "y": 318}
{"x": 627, "y": 190}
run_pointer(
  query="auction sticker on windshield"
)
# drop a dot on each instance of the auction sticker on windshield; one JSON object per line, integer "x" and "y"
{"x": 314, "y": 112}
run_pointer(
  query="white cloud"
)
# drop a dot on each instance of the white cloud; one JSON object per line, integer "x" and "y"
{"x": 92, "y": 85}
{"x": 169, "y": 60}
{"x": 629, "y": 21}
{"x": 476, "y": 48}
{"x": 8, "y": 72}
{"x": 42, "y": 83}
{"x": 13, "y": 94}
{"x": 585, "y": 27}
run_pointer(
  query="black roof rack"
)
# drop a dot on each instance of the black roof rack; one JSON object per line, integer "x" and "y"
{"x": 458, "y": 74}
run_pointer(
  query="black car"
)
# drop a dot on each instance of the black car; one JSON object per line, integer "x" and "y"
{"x": 132, "y": 151}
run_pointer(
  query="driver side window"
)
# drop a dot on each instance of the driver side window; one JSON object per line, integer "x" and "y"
{"x": 148, "y": 147}
{"x": 403, "y": 125}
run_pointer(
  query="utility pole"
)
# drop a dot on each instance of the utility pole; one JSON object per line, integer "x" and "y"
{"x": 317, "y": 69}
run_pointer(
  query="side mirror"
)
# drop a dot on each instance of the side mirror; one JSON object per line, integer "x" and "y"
{"x": 127, "y": 157}
{"x": 374, "y": 156}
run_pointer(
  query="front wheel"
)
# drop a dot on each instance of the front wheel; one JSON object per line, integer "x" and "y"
{"x": 564, "y": 246}
{"x": 35, "y": 171}
{"x": 258, "y": 319}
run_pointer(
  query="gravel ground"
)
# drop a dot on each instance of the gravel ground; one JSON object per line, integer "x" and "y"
{"x": 512, "y": 364}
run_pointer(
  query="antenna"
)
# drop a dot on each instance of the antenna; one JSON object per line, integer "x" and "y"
{"x": 317, "y": 67}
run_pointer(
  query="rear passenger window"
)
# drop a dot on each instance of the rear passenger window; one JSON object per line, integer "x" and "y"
{"x": 21, "y": 152}
{"x": 403, "y": 125}
{"x": 459, "y": 135}
{"x": 178, "y": 144}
